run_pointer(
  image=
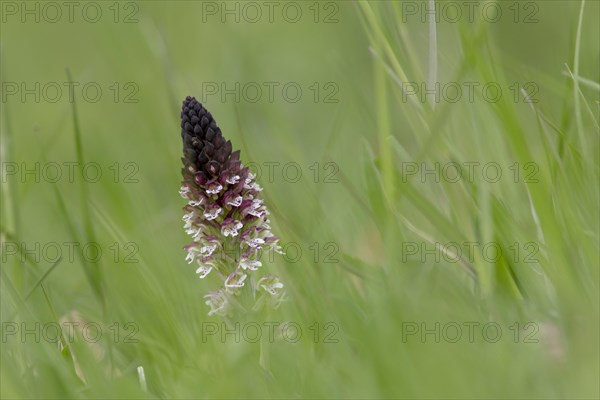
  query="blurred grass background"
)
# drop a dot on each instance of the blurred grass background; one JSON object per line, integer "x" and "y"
{"x": 374, "y": 290}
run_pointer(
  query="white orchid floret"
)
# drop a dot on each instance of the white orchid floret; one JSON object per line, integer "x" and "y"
{"x": 257, "y": 208}
{"x": 250, "y": 183}
{"x": 208, "y": 249}
{"x": 252, "y": 186}
{"x": 184, "y": 191}
{"x": 212, "y": 213}
{"x": 232, "y": 180}
{"x": 235, "y": 280}
{"x": 270, "y": 284}
{"x": 251, "y": 265}
{"x": 189, "y": 225}
{"x": 258, "y": 212}
{"x": 255, "y": 242}
{"x": 235, "y": 201}
{"x": 193, "y": 230}
{"x": 231, "y": 227}
{"x": 203, "y": 270}
{"x": 217, "y": 301}
{"x": 191, "y": 255}
{"x": 197, "y": 234}
{"x": 214, "y": 188}
{"x": 196, "y": 249}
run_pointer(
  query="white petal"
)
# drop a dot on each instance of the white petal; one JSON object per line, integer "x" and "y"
{"x": 233, "y": 180}
{"x": 203, "y": 270}
{"x": 212, "y": 213}
{"x": 235, "y": 202}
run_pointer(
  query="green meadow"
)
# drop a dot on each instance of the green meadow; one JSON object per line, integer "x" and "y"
{"x": 434, "y": 183}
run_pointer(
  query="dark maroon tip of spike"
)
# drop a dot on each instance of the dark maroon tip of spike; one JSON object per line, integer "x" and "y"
{"x": 204, "y": 123}
{"x": 227, "y": 147}
{"x": 209, "y": 148}
{"x": 235, "y": 155}
{"x": 220, "y": 157}
{"x": 219, "y": 141}
{"x": 234, "y": 165}
{"x": 210, "y": 134}
{"x": 190, "y": 153}
{"x": 202, "y": 158}
{"x": 205, "y": 149}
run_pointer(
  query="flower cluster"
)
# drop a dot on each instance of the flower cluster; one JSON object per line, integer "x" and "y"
{"x": 224, "y": 214}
